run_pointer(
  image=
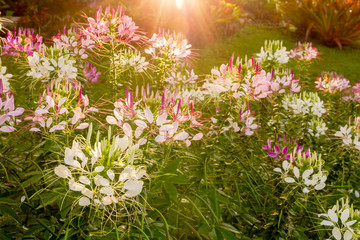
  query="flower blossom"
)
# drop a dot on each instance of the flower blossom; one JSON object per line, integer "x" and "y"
{"x": 103, "y": 177}
{"x": 342, "y": 218}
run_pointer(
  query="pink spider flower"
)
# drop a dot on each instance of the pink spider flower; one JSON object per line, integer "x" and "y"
{"x": 59, "y": 112}
{"x": 90, "y": 73}
{"x": 112, "y": 24}
{"x": 167, "y": 124}
{"x": 285, "y": 148}
{"x": 8, "y": 113}
{"x": 353, "y": 94}
{"x": 304, "y": 52}
{"x": 22, "y": 41}
{"x": 332, "y": 82}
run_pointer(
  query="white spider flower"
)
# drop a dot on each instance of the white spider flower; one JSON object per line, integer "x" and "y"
{"x": 342, "y": 218}
{"x": 108, "y": 178}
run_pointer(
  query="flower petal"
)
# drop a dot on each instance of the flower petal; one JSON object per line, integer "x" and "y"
{"x": 84, "y": 201}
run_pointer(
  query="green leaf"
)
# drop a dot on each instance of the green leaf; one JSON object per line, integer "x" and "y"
{"x": 34, "y": 229}
{"x": 5, "y": 210}
{"x": 170, "y": 188}
{"x": 172, "y": 166}
{"x": 228, "y": 227}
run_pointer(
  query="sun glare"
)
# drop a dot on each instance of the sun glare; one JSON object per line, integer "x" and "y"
{"x": 179, "y": 3}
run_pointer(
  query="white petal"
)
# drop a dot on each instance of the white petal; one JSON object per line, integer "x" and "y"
{"x": 289, "y": 180}
{"x": 140, "y": 123}
{"x": 345, "y": 215}
{"x": 127, "y": 129}
{"x": 111, "y": 120}
{"x": 307, "y": 173}
{"x": 84, "y": 201}
{"x": 138, "y": 132}
{"x": 110, "y": 174}
{"x": 107, "y": 190}
{"x": 278, "y": 170}
{"x": 332, "y": 215}
{"x": 122, "y": 143}
{"x": 166, "y": 127}
{"x": 85, "y": 180}
{"x": 160, "y": 139}
{"x": 336, "y": 233}
{"x": 75, "y": 186}
{"x": 327, "y": 223}
{"x": 320, "y": 186}
{"x": 62, "y": 171}
{"x": 285, "y": 165}
{"x": 106, "y": 200}
{"x": 148, "y": 115}
{"x": 104, "y": 182}
{"x": 305, "y": 190}
{"x": 134, "y": 187}
{"x": 350, "y": 223}
{"x": 87, "y": 193}
{"x": 348, "y": 235}
{"x": 181, "y": 136}
{"x": 296, "y": 172}
{"x": 99, "y": 169}
{"x": 142, "y": 141}
{"x": 161, "y": 119}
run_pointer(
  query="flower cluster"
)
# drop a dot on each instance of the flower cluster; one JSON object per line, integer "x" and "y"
{"x": 111, "y": 24}
{"x": 273, "y": 54}
{"x": 130, "y": 59}
{"x": 245, "y": 123}
{"x": 285, "y": 148}
{"x": 8, "y": 113}
{"x": 78, "y": 44}
{"x": 171, "y": 48}
{"x": 179, "y": 78}
{"x": 343, "y": 219}
{"x": 306, "y": 103}
{"x": 331, "y": 82}
{"x": 90, "y": 73}
{"x": 248, "y": 81}
{"x": 104, "y": 174}
{"x": 300, "y": 170}
{"x": 4, "y": 78}
{"x": 22, "y": 41}
{"x": 61, "y": 109}
{"x": 166, "y": 123}
{"x": 353, "y": 94}
{"x": 58, "y": 67}
{"x": 304, "y": 52}
{"x": 350, "y": 134}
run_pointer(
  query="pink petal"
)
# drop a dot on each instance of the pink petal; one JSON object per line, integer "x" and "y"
{"x": 7, "y": 129}
{"x": 197, "y": 136}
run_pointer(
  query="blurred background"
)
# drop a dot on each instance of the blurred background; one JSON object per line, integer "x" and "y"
{"x": 332, "y": 22}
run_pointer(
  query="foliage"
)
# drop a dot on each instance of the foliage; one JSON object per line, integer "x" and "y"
{"x": 107, "y": 134}
{"x": 335, "y": 22}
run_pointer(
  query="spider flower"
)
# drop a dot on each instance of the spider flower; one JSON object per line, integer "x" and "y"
{"x": 112, "y": 24}
{"x": 273, "y": 54}
{"x": 343, "y": 220}
{"x": 58, "y": 112}
{"x": 349, "y": 134}
{"x": 168, "y": 122}
{"x": 304, "y": 52}
{"x": 332, "y": 83}
{"x": 103, "y": 175}
{"x": 8, "y": 112}
{"x": 22, "y": 41}
{"x": 304, "y": 171}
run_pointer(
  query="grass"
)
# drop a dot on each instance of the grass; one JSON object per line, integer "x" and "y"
{"x": 250, "y": 38}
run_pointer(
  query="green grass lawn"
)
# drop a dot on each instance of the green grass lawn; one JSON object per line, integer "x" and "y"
{"x": 250, "y": 38}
